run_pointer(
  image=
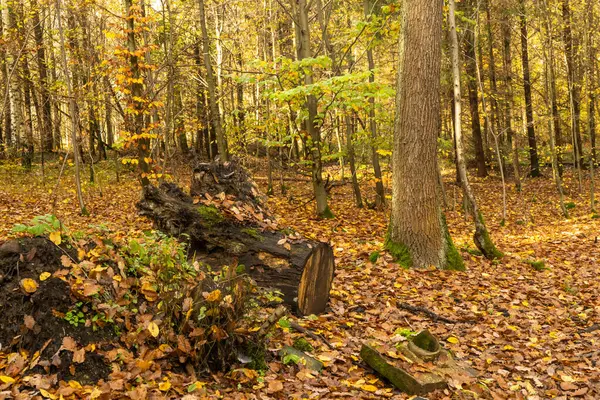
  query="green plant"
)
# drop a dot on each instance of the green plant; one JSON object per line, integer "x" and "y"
{"x": 76, "y": 316}
{"x": 570, "y": 205}
{"x": 40, "y": 225}
{"x": 538, "y": 265}
{"x": 374, "y": 256}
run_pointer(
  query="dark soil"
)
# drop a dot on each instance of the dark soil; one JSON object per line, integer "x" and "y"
{"x": 28, "y": 258}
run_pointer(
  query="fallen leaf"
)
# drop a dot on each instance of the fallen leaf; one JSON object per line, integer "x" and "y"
{"x": 29, "y": 321}
{"x": 275, "y": 386}
{"x": 55, "y": 238}
{"x": 153, "y": 329}
{"x": 29, "y": 285}
{"x": 44, "y": 276}
{"x": 6, "y": 379}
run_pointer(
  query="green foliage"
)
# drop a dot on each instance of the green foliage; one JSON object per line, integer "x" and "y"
{"x": 374, "y": 256}
{"x": 454, "y": 260}
{"x": 76, "y": 316}
{"x": 252, "y": 233}
{"x": 538, "y": 265}
{"x": 284, "y": 323}
{"x": 40, "y": 225}
{"x": 302, "y": 345}
{"x": 210, "y": 215}
{"x": 570, "y": 205}
{"x": 399, "y": 251}
{"x": 289, "y": 359}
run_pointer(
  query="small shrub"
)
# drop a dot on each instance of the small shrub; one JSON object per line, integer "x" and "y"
{"x": 374, "y": 256}
{"x": 570, "y": 205}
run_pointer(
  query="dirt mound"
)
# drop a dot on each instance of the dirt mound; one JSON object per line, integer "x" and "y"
{"x": 34, "y": 321}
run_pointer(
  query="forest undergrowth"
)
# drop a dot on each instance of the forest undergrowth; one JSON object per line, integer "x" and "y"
{"x": 525, "y": 322}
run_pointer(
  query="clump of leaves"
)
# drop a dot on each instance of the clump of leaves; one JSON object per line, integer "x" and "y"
{"x": 570, "y": 205}
{"x": 76, "y": 316}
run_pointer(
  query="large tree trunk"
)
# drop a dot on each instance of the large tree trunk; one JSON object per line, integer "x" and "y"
{"x": 533, "y": 154}
{"x": 302, "y": 270}
{"x": 417, "y": 233}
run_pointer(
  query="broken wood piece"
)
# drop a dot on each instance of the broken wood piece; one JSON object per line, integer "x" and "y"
{"x": 404, "y": 381}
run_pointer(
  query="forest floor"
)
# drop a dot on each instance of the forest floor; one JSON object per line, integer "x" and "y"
{"x": 526, "y": 328}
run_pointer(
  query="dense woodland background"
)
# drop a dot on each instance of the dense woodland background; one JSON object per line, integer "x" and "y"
{"x": 201, "y": 79}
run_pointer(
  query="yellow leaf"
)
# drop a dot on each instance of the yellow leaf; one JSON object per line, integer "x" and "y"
{"x": 44, "y": 276}
{"x": 153, "y": 329}
{"x": 6, "y": 379}
{"x": 369, "y": 388}
{"x": 95, "y": 393}
{"x": 164, "y": 386}
{"x": 453, "y": 340}
{"x": 214, "y": 296}
{"x": 75, "y": 384}
{"x": 29, "y": 285}
{"x": 55, "y": 238}
{"x": 48, "y": 395}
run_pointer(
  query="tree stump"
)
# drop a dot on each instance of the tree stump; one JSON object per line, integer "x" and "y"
{"x": 301, "y": 269}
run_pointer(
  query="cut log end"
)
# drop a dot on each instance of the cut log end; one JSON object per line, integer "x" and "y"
{"x": 315, "y": 284}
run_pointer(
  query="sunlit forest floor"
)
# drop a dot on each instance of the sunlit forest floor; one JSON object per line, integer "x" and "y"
{"x": 526, "y": 326}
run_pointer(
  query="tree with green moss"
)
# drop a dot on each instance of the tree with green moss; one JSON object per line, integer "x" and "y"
{"x": 417, "y": 234}
{"x": 481, "y": 237}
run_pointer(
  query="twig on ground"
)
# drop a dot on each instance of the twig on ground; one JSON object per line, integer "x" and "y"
{"x": 311, "y": 334}
{"x": 425, "y": 311}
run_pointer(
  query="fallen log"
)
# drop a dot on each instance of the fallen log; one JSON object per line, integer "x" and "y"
{"x": 301, "y": 269}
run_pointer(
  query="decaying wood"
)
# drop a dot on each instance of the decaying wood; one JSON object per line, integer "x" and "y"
{"x": 302, "y": 270}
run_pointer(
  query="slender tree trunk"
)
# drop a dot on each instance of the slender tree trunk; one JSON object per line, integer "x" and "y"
{"x": 72, "y": 108}
{"x": 495, "y": 112}
{"x": 350, "y": 129}
{"x": 533, "y": 154}
{"x": 6, "y": 104}
{"x": 379, "y": 189}
{"x": 508, "y": 100}
{"x": 212, "y": 91}
{"x": 573, "y": 78}
{"x": 14, "y": 78}
{"x": 470, "y": 69}
{"x": 549, "y": 62}
{"x": 481, "y": 237}
{"x": 28, "y": 145}
{"x": 591, "y": 82}
{"x": 417, "y": 233}
{"x": 46, "y": 104}
{"x": 312, "y": 125}
{"x": 136, "y": 123}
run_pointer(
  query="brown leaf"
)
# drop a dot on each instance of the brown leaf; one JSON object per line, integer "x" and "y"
{"x": 79, "y": 356}
{"x": 29, "y": 321}
{"x": 69, "y": 343}
{"x": 275, "y": 386}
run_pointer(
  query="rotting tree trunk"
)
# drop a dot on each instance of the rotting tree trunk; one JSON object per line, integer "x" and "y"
{"x": 418, "y": 235}
{"x": 302, "y": 270}
{"x": 481, "y": 237}
{"x": 533, "y": 154}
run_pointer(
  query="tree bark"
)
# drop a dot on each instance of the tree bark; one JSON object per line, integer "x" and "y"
{"x": 417, "y": 233}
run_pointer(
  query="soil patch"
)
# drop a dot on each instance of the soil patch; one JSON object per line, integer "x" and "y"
{"x": 34, "y": 322}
